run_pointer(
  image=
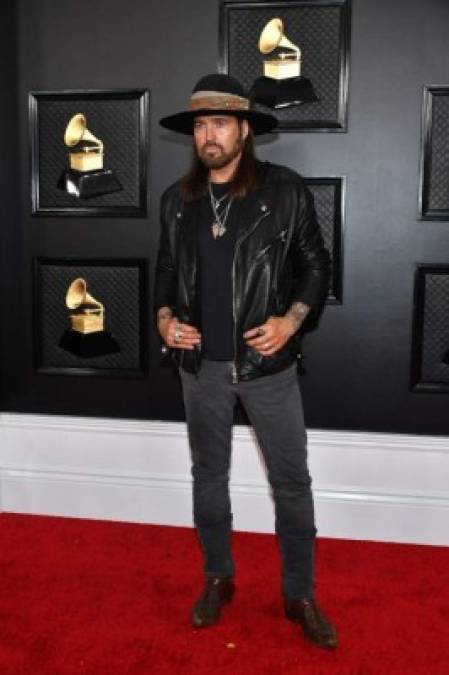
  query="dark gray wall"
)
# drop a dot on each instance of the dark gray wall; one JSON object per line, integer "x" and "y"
{"x": 11, "y": 249}
{"x": 358, "y": 361}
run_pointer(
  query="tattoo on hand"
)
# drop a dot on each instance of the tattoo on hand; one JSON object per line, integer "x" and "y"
{"x": 297, "y": 313}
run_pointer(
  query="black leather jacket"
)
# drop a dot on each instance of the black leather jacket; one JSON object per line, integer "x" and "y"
{"x": 279, "y": 259}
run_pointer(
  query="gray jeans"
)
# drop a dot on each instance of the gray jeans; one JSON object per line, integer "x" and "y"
{"x": 274, "y": 406}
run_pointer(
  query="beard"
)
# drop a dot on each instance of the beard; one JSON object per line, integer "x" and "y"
{"x": 219, "y": 158}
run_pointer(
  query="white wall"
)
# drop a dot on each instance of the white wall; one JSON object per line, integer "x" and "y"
{"x": 367, "y": 486}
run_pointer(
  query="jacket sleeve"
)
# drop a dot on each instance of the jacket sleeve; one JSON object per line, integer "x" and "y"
{"x": 166, "y": 273}
{"x": 310, "y": 259}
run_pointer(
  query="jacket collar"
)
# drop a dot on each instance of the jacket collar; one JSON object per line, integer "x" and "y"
{"x": 255, "y": 206}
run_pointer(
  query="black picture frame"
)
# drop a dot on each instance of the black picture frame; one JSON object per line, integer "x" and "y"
{"x": 119, "y": 283}
{"x": 120, "y": 118}
{"x": 429, "y": 370}
{"x": 327, "y": 36}
{"x": 329, "y": 195}
{"x": 433, "y": 200}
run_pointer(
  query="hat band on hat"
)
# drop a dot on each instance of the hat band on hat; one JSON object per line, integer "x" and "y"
{"x": 217, "y": 100}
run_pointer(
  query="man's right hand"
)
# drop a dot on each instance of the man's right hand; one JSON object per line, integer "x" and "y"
{"x": 178, "y": 335}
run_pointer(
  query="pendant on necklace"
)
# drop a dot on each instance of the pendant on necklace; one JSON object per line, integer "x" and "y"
{"x": 218, "y": 230}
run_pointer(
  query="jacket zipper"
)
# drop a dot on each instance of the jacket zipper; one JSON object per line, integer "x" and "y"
{"x": 281, "y": 236}
{"x": 265, "y": 213}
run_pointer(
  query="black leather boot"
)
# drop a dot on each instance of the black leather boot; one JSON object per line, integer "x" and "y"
{"x": 217, "y": 592}
{"x": 315, "y": 625}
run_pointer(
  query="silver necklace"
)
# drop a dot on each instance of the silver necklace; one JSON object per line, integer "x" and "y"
{"x": 219, "y": 225}
{"x": 217, "y": 200}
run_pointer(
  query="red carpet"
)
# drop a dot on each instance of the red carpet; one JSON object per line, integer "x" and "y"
{"x": 101, "y": 598}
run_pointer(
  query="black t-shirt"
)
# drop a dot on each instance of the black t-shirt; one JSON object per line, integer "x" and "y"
{"x": 215, "y": 280}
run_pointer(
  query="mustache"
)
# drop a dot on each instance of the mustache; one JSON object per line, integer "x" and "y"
{"x": 211, "y": 144}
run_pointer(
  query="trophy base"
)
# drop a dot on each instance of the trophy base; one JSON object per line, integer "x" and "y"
{"x": 282, "y": 93}
{"x": 282, "y": 69}
{"x": 87, "y": 184}
{"x": 90, "y": 345}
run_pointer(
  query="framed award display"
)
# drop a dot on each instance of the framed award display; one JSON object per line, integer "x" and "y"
{"x": 89, "y": 153}
{"x": 90, "y": 317}
{"x": 292, "y": 57}
{"x": 434, "y": 170}
{"x": 430, "y": 335}
{"x": 329, "y": 198}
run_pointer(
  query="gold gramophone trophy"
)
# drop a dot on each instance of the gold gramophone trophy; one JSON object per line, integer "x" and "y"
{"x": 281, "y": 85}
{"x": 88, "y": 316}
{"x": 86, "y": 176}
{"x": 284, "y": 64}
{"x": 86, "y": 336}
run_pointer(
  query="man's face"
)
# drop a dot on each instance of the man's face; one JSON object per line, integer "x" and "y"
{"x": 219, "y": 139}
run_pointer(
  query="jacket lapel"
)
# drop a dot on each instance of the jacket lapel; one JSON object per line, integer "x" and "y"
{"x": 255, "y": 206}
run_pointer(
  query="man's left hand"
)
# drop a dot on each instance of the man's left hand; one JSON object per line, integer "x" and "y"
{"x": 271, "y": 336}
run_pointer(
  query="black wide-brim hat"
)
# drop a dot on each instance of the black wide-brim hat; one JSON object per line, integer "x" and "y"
{"x": 219, "y": 94}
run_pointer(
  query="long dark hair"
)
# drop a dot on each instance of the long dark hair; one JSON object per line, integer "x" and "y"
{"x": 194, "y": 183}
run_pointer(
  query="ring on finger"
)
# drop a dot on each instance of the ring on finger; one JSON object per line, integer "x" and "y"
{"x": 266, "y": 345}
{"x": 177, "y": 335}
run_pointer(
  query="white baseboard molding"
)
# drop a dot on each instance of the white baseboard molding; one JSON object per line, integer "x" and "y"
{"x": 384, "y": 487}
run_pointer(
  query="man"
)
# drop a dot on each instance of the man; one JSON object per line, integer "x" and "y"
{"x": 241, "y": 264}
